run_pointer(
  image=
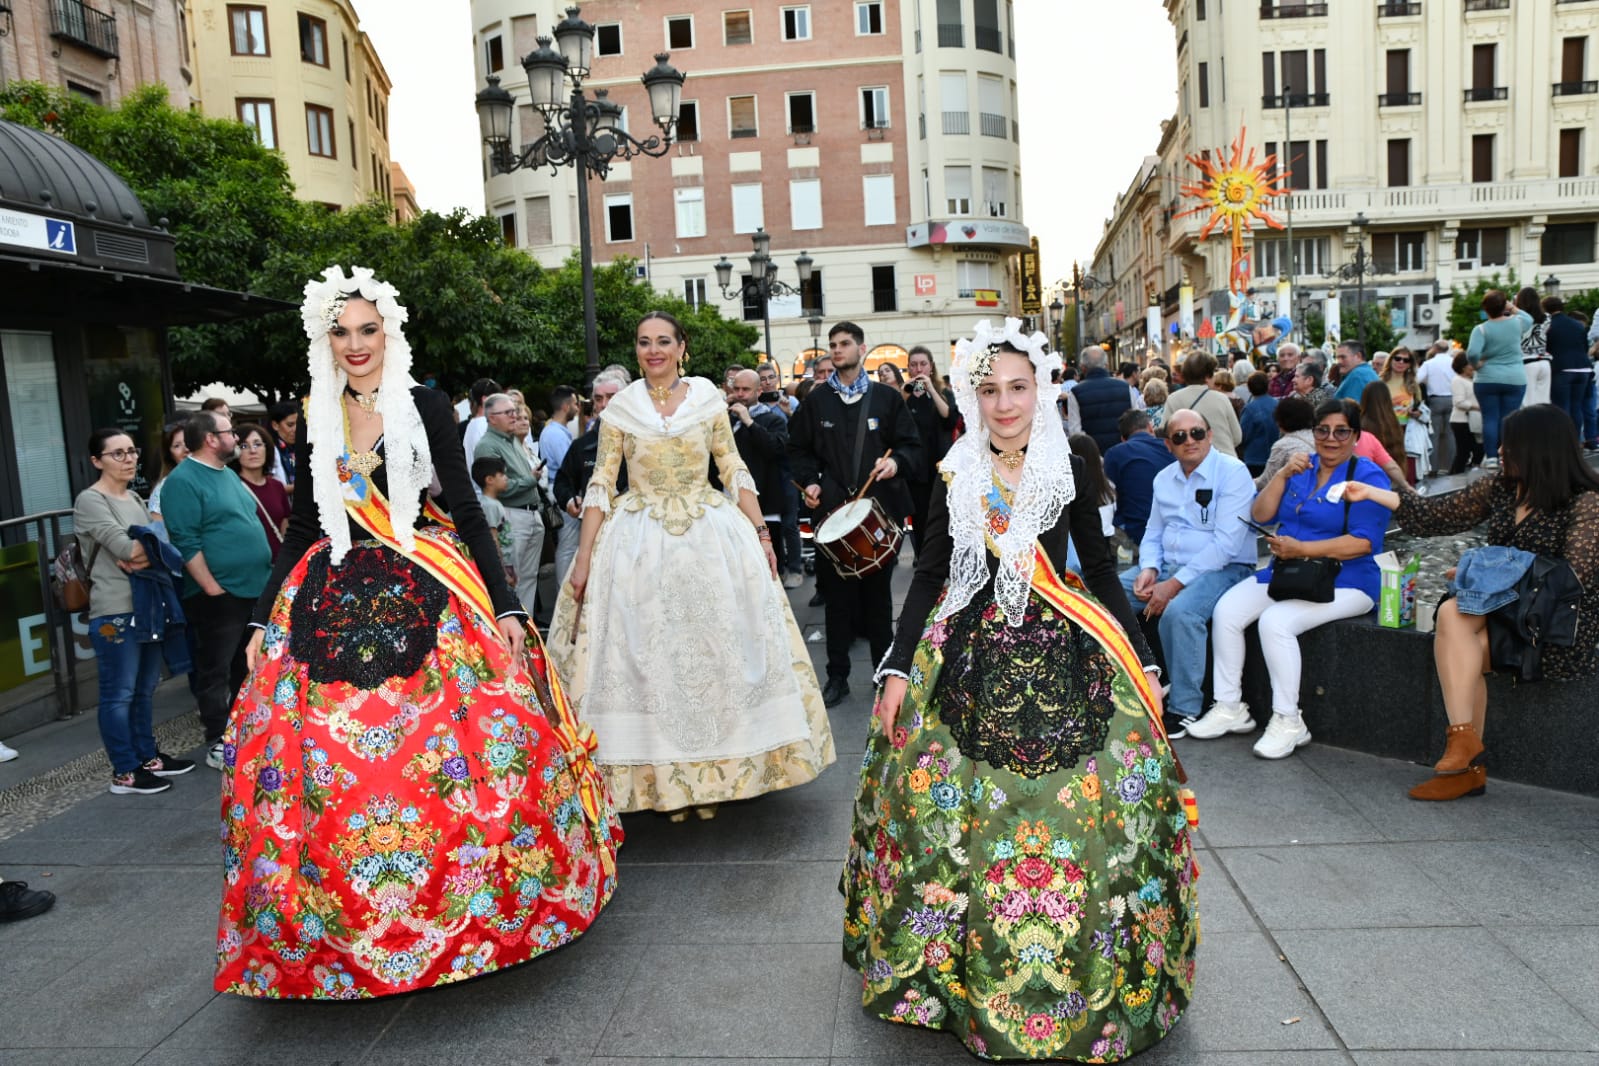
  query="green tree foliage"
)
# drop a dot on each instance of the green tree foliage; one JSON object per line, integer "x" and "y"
{"x": 1587, "y": 303}
{"x": 1380, "y": 333}
{"x": 477, "y": 308}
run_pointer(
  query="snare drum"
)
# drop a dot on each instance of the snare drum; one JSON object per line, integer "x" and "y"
{"x": 859, "y": 538}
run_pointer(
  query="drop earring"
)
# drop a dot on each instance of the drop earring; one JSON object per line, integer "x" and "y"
{"x": 682, "y": 363}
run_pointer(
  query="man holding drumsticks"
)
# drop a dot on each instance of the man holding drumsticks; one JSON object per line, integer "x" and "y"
{"x": 852, "y": 433}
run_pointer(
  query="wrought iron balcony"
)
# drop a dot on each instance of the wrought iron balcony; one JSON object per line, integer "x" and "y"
{"x": 1291, "y": 11}
{"x": 990, "y": 39}
{"x": 1398, "y": 99}
{"x": 75, "y": 21}
{"x": 991, "y": 125}
{"x": 1296, "y": 100}
{"x": 1487, "y": 5}
{"x": 1576, "y": 88}
{"x": 1501, "y": 92}
{"x": 957, "y": 123}
{"x": 1397, "y": 10}
{"x": 951, "y": 35}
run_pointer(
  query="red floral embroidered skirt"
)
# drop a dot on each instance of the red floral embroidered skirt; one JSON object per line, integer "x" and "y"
{"x": 401, "y": 807}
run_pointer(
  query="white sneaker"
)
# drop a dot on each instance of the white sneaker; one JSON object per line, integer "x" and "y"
{"x": 793, "y": 579}
{"x": 1283, "y": 734}
{"x": 215, "y": 758}
{"x": 7, "y": 754}
{"x": 1221, "y": 719}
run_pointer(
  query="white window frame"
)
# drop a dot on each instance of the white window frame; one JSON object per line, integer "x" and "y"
{"x": 760, "y": 205}
{"x": 621, "y": 40}
{"x": 688, "y": 209}
{"x": 964, "y": 210}
{"x": 788, "y": 114}
{"x": 964, "y": 269}
{"x": 734, "y": 11}
{"x": 265, "y": 134}
{"x": 488, "y": 58}
{"x": 666, "y": 33}
{"x": 795, "y": 187}
{"x": 756, "y": 100}
{"x": 694, "y": 292}
{"x": 699, "y": 124}
{"x": 882, "y": 122}
{"x": 879, "y": 182}
{"x": 801, "y": 12}
{"x": 861, "y": 7}
{"x": 617, "y": 199}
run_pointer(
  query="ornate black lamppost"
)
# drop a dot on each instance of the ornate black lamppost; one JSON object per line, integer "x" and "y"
{"x": 763, "y": 283}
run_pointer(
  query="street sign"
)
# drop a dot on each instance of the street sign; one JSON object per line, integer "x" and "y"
{"x": 23, "y": 229}
{"x": 926, "y": 284}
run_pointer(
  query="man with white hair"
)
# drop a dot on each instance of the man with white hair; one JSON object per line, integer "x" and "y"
{"x": 1099, "y": 399}
{"x": 520, "y": 497}
{"x": 1282, "y": 382}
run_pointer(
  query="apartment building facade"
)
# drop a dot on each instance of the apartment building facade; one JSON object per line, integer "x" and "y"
{"x": 877, "y": 136}
{"x": 100, "y": 51}
{"x": 1460, "y": 133}
{"x": 305, "y": 77}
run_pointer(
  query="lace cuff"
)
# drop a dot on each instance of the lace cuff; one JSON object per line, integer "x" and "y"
{"x": 598, "y": 497}
{"x": 886, "y": 672}
{"x": 743, "y": 480}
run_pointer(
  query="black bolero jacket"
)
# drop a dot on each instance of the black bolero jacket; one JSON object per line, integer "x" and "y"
{"x": 1080, "y": 520}
{"x": 459, "y": 499}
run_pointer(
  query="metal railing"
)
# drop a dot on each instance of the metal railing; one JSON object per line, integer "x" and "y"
{"x": 1398, "y": 99}
{"x": 1397, "y": 10}
{"x": 44, "y": 531}
{"x": 75, "y": 21}
{"x": 1487, "y": 5}
{"x": 990, "y": 39}
{"x": 1292, "y": 11}
{"x": 957, "y": 122}
{"x": 1575, "y": 88}
{"x": 1501, "y": 92}
{"x": 991, "y": 125}
{"x": 1296, "y": 99}
{"x": 951, "y": 35}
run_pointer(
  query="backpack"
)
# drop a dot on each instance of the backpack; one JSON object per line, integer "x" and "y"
{"x": 69, "y": 576}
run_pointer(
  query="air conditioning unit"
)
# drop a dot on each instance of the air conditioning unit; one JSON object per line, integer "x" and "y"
{"x": 1468, "y": 264}
{"x": 1427, "y": 315}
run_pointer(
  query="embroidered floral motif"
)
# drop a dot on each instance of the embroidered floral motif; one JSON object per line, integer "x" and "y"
{"x": 374, "y": 617}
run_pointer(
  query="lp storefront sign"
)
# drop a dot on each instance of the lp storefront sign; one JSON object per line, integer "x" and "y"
{"x": 22, "y": 229}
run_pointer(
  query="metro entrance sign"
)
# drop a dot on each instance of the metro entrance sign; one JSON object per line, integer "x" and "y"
{"x": 22, "y": 229}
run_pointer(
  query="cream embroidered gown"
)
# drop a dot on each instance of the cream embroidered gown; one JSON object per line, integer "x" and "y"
{"x": 685, "y": 658}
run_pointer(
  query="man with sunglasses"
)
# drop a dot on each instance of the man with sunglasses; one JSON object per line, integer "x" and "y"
{"x": 1195, "y": 548}
{"x": 211, "y": 519}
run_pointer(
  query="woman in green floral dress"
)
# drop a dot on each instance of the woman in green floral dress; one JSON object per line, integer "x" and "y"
{"x": 1020, "y": 872}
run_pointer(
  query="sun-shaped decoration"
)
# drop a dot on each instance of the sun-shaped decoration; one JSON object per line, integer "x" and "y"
{"x": 1235, "y": 191}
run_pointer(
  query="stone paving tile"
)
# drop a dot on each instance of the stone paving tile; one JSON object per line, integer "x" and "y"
{"x": 98, "y": 909}
{"x": 1515, "y": 883}
{"x": 1243, "y": 992}
{"x": 1173, "y": 1052}
{"x": 860, "y": 1038}
{"x": 295, "y": 1031}
{"x": 810, "y": 822}
{"x": 1339, "y": 886}
{"x": 1432, "y": 989}
{"x": 742, "y": 903}
{"x": 1221, "y": 908}
{"x": 734, "y": 1001}
{"x": 1245, "y": 800}
{"x": 1563, "y": 957}
{"x": 1472, "y": 1058}
{"x": 72, "y": 1056}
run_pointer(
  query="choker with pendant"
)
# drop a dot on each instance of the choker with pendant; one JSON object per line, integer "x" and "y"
{"x": 369, "y": 404}
{"x": 1011, "y": 459}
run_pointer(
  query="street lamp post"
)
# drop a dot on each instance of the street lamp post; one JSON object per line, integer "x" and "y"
{"x": 1551, "y": 286}
{"x": 1082, "y": 283}
{"x": 763, "y": 283}
{"x": 815, "y": 322}
{"x": 580, "y": 131}
{"x": 1057, "y": 313}
{"x": 1356, "y": 270}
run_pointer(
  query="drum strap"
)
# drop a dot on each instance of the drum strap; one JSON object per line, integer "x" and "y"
{"x": 860, "y": 441}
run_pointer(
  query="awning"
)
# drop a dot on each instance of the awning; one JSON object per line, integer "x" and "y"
{"x": 31, "y": 288}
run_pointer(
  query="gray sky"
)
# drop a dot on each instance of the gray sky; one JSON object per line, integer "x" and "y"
{"x": 1094, "y": 87}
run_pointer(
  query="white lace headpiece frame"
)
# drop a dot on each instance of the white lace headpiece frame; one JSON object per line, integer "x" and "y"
{"x": 1046, "y": 486}
{"x": 407, "y": 460}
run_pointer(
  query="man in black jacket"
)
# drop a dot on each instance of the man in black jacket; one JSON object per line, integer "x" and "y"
{"x": 572, "y": 480}
{"x": 1572, "y": 380}
{"x": 1100, "y": 398}
{"x": 833, "y": 454}
{"x": 762, "y": 438}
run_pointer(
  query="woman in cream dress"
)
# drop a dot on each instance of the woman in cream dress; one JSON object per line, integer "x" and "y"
{"x": 673, "y": 634}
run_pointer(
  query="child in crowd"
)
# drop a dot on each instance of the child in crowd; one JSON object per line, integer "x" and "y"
{"x": 491, "y": 478}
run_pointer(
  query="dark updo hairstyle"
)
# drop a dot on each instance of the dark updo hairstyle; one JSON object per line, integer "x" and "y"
{"x": 1294, "y": 413}
{"x": 98, "y": 439}
{"x": 1543, "y": 458}
{"x": 669, "y": 319}
{"x": 1348, "y": 408}
{"x": 1494, "y": 303}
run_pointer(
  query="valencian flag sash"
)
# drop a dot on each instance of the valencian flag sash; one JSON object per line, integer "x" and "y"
{"x": 441, "y": 557}
{"x": 1068, "y": 596}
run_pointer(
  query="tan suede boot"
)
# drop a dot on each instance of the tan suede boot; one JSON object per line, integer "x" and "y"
{"x": 1462, "y": 748}
{"x": 1445, "y": 787}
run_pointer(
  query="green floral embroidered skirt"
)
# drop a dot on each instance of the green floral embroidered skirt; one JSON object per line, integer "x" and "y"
{"x": 1020, "y": 872}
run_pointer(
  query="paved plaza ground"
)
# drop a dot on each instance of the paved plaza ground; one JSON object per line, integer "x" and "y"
{"x": 1342, "y": 924}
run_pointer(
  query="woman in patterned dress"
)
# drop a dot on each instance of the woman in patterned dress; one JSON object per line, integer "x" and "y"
{"x": 1020, "y": 872}
{"x": 407, "y": 800}
{"x": 672, "y": 629}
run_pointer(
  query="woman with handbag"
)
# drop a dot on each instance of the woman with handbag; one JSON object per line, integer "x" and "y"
{"x": 1543, "y": 500}
{"x": 256, "y": 466}
{"x": 1322, "y": 570}
{"x": 129, "y": 667}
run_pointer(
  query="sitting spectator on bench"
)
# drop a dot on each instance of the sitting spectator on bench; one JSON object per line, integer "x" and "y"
{"x": 1195, "y": 548}
{"x": 1310, "y": 526}
{"x": 1543, "y": 500}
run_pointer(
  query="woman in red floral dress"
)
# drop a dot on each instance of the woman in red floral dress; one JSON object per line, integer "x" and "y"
{"x": 408, "y": 799}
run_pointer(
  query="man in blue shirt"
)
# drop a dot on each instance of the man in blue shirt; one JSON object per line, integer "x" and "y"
{"x": 1194, "y": 549}
{"x": 1131, "y": 466}
{"x": 556, "y": 438}
{"x": 1357, "y": 371}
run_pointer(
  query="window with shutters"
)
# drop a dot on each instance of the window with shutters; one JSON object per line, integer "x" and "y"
{"x": 737, "y": 28}
{"x": 749, "y": 210}
{"x": 539, "y": 232}
{"x": 805, "y": 203}
{"x": 247, "y": 30}
{"x": 1573, "y": 59}
{"x": 619, "y": 217}
{"x": 971, "y": 275}
{"x": 878, "y": 192}
{"x": 741, "y": 117}
{"x": 1482, "y": 157}
{"x": 797, "y": 23}
{"x": 1571, "y": 153}
{"x": 958, "y": 190}
{"x": 1482, "y": 247}
{"x": 1565, "y": 243}
{"x": 1398, "y": 162}
{"x": 690, "y": 204}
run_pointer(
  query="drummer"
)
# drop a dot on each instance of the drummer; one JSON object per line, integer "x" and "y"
{"x": 850, "y": 431}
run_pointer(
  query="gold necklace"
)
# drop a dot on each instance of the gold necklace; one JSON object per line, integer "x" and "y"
{"x": 363, "y": 463}
{"x": 367, "y": 403}
{"x": 661, "y": 393}
{"x": 1012, "y": 459}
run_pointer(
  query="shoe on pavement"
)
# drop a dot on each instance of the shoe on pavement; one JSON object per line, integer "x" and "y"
{"x": 816, "y": 599}
{"x": 7, "y": 753}
{"x": 1222, "y": 718}
{"x": 215, "y": 757}
{"x": 140, "y": 782}
{"x": 835, "y": 692}
{"x": 1176, "y": 725}
{"x": 164, "y": 765}
{"x": 793, "y": 579}
{"x": 1442, "y": 788}
{"x": 18, "y": 901}
{"x": 1284, "y": 734}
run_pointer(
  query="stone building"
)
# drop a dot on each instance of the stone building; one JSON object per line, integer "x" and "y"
{"x": 101, "y": 51}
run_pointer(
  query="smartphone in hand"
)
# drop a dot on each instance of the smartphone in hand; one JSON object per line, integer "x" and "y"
{"x": 1257, "y": 527}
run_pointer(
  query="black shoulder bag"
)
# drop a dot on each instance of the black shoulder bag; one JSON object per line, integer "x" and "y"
{"x": 1312, "y": 580}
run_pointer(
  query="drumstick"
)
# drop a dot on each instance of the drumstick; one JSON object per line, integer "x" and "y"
{"x": 866, "y": 487}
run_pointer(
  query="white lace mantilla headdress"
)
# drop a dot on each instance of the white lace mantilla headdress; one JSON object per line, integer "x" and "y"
{"x": 1045, "y": 489}
{"x": 407, "y": 460}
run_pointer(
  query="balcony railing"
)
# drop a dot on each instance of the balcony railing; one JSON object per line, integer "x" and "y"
{"x": 1397, "y": 10}
{"x": 1291, "y": 11}
{"x": 1487, "y": 5}
{"x": 1500, "y": 92}
{"x": 75, "y": 21}
{"x": 989, "y": 39}
{"x": 957, "y": 123}
{"x": 951, "y": 35}
{"x": 1296, "y": 100}
{"x": 740, "y": 132}
{"x": 1576, "y": 88}
{"x": 991, "y": 125}
{"x": 1398, "y": 99}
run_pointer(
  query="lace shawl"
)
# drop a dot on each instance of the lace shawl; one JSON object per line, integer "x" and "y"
{"x": 1045, "y": 489}
{"x": 406, "y": 456}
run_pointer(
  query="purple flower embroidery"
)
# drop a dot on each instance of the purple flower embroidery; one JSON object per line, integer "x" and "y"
{"x": 270, "y": 779}
{"x": 455, "y": 768}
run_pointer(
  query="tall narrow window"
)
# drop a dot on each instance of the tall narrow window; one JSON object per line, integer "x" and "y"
{"x": 737, "y": 28}
{"x": 619, "y": 217}
{"x": 345, "y": 43}
{"x": 805, "y": 203}
{"x": 985, "y": 26}
{"x": 1319, "y": 64}
{"x": 1296, "y": 76}
{"x": 1399, "y": 162}
{"x": 247, "y": 29}
{"x": 885, "y": 296}
{"x": 991, "y": 119}
{"x": 953, "y": 100}
{"x": 1483, "y": 66}
{"x": 355, "y": 160}
{"x": 801, "y": 113}
{"x": 1268, "y": 76}
{"x": 679, "y": 33}
{"x": 260, "y": 116}
{"x": 313, "y": 40}
{"x": 749, "y": 212}
{"x": 797, "y": 23}
{"x": 508, "y": 229}
{"x": 494, "y": 55}
{"x": 874, "y": 107}
{"x": 1482, "y": 157}
{"x": 319, "y": 131}
{"x": 958, "y": 190}
{"x": 1321, "y": 164}
{"x": 694, "y": 292}
{"x": 1571, "y": 153}
{"x": 951, "y": 32}
{"x": 1204, "y": 85}
{"x": 1398, "y": 70}
{"x": 1199, "y": 10}
{"x": 996, "y": 192}
{"x": 1574, "y": 59}
{"x": 1299, "y": 164}
{"x": 741, "y": 117}
{"x": 688, "y": 120}
{"x": 539, "y": 230}
{"x": 690, "y": 203}
{"x": 878, "y": 190}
